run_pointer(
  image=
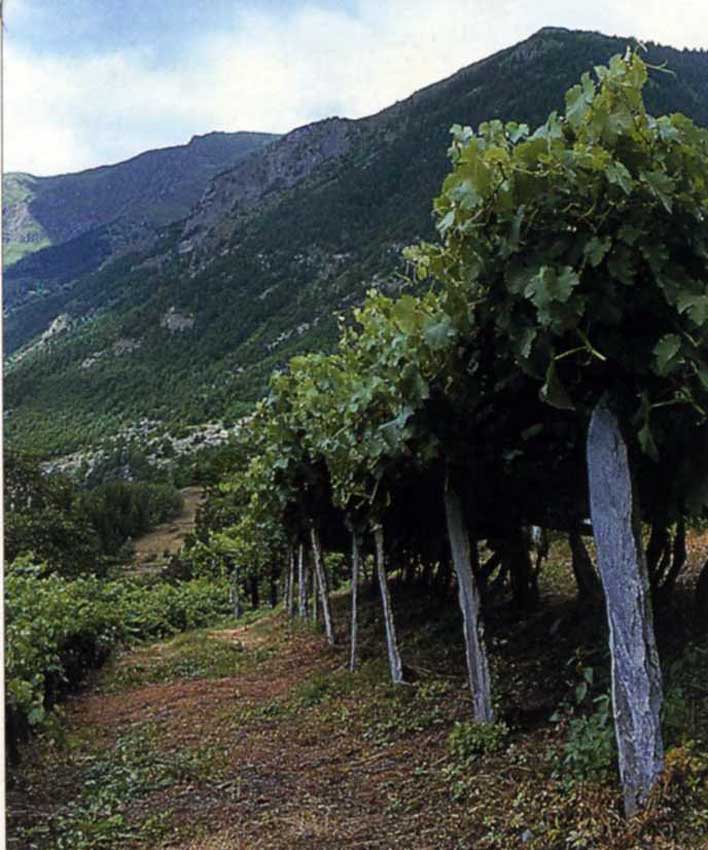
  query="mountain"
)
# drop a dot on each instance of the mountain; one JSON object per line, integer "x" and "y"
{"x": 96, "y": 213}
{"x": 187, "y": 329}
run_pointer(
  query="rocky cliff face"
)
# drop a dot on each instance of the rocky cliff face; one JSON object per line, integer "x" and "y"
{"x": 265, "y": 173}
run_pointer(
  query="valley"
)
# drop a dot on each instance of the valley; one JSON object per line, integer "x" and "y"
{"x": 273, "y": 251}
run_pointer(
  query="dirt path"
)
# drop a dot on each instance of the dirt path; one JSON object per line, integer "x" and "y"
{"x": 168, "y": 537}
{"x": 258, "y": 738}
{"x": 282, "y": 754}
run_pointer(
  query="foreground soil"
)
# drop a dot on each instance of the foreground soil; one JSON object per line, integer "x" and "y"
{"x": 256, "y": 737}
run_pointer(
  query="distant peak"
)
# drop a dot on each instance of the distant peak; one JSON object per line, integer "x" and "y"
{"x": 223, "y": 134}
{"x": 550, "y": 30}
{"x": 200, "y": 137}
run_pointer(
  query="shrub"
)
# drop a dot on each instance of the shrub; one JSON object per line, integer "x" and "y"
{"x": 589, "y": 751}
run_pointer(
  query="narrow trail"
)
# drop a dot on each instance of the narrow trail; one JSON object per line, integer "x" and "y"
{"x": 273, "y": 757}
{"x": 256, "y": 737}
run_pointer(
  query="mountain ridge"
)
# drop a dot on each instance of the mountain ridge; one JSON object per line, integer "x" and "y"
{"x": 268, "y": 280}
{"x": 155, "y": 186}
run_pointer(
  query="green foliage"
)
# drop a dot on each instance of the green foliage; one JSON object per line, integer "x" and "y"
{"x": 111, "y": 781}
{"x": 57, "y": 629}
{"x": 356, "y": 408}
{"x": 71, "y": 531}
{"x": 590, "y": 749}
{"x": 189, "y": 655}
{"x": 551, "y": 258}
{"x": 120, "y": 510}
{"x": 323, "y": 687}
{"x": 468, "y": 741}
{"x": 567, "y": 242}
{"x": 42, "y": 517}
{"x": 398, "y": 712}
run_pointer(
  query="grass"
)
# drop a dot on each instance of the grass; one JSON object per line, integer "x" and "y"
{"x": 258, "y": 737}
{"x": 191, "y": 655}
{"x": 14, "y": 251}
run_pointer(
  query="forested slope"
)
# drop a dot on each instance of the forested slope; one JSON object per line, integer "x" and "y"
{"x": 58, "y": 228}
{"x": 269, "y": 280}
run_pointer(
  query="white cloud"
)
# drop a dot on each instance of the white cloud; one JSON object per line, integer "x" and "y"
{"x": 679, "y": 24}
{"x": 268, "y": 72}
{"x": 40, "y": 129}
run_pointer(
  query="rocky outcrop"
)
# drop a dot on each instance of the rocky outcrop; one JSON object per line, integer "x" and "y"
{"x": 124, "y": 345}
{"x": 161, "y": 449}
{"x": 60, "y": 325}
{"x": 176, "y": 322}
{"x": 268, "y": 172}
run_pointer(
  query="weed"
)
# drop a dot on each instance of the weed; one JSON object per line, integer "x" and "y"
{"x": 468, "y": 740}
{"x": 322, "y": 687}
{"x": 195, "y": 655}
{"x": 405, "y": 711}
{"x": 102, "y": 816}
{"x": 589, "y": 750}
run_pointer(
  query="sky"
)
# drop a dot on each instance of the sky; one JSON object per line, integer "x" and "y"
{"x": 90, "y": 82}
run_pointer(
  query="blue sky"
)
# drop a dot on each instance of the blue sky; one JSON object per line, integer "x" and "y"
{"x": 162, "y": 27}
{"x": 88, "y": 82}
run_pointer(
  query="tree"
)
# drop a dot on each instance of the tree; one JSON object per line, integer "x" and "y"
{"x": 579, "y": 252}
{"x": 42, "y": 517}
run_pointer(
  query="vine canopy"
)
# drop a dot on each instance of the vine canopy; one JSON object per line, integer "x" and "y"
{"x": 582, "y": 250}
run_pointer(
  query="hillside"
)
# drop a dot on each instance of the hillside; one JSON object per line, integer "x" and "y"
{"x": 188, "y": 330}
{"x": 67, "y": 225}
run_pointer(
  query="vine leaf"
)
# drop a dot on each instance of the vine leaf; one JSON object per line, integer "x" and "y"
{"x": 596, "y": 249}
{"x": 695, "y": 305}
{"x": 553, "y": 392}
{"x": 666, "y": 354}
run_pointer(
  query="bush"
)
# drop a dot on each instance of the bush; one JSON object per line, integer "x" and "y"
{"x": 590, "y": 747}
{"x": 589, "y": 751}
